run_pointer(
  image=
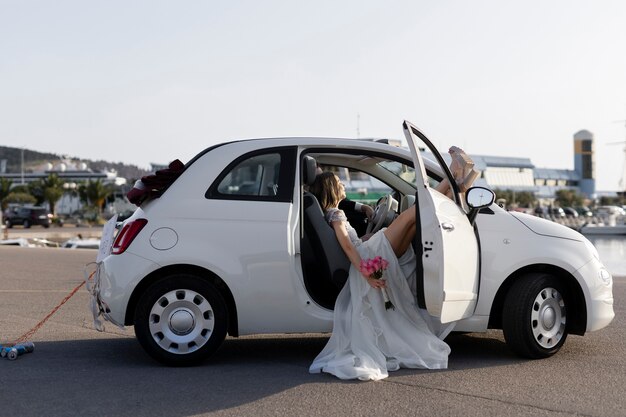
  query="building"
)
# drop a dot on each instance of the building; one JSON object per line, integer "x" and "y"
{"x": 71, "y": 173}
{"x": 585, "y": 162}
{"x": 520, "y": 174}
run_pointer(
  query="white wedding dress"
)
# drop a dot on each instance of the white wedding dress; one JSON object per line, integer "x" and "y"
{"x": 368, "y": 341}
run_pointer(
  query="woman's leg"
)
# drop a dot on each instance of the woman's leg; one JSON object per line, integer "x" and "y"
{"x": 401, "y": 231}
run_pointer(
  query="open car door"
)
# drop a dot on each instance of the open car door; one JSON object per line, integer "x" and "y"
{"x": 446, "y": 246}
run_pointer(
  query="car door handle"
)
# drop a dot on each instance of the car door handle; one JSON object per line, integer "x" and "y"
{"x": 447, "y": 226}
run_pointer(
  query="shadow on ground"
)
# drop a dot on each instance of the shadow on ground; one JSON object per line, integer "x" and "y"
{"x": 86, "y": 377}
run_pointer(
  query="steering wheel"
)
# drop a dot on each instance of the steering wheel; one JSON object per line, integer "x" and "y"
{"x": 381, "y": 211}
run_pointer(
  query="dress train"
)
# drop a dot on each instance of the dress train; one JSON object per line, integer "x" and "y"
{"x": 368, "y": 341}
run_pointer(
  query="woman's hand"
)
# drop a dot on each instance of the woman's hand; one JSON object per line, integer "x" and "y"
{"x": 376, "y": 283}
{"x": 368, "y": 211}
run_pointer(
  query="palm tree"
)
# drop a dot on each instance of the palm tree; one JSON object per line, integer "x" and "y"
{"x": 5, "y": 190}
{"x": 35, "y": 188}
{"x": 94, "y": 193}
{"x": 52, "y": 190}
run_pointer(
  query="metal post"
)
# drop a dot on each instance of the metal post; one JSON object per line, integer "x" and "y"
{"x": 22, "y": 165}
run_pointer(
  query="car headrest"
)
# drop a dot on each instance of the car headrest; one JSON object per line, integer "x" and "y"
{"x": 309, "y": 167}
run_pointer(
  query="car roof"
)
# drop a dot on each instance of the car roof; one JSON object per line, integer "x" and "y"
{"x": 305, "y": 141}
{"x": 327, "y": 143}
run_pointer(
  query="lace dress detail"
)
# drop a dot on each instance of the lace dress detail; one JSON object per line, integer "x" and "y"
{"x": 368, "y": 341}
{"x": 334, "y": 215}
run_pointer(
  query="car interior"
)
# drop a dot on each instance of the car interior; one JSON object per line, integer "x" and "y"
{"x": 324, "y": 264}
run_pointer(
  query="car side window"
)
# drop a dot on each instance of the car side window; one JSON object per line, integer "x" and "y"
{"x": 256, "y": 176}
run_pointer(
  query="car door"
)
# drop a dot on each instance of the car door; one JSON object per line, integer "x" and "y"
{"x": 446, "y": 246}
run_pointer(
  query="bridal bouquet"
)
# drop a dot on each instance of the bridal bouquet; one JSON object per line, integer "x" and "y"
{"x": 374, "y": 268}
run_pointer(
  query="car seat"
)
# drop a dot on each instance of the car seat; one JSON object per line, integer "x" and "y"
{"x": 319, "y": 237}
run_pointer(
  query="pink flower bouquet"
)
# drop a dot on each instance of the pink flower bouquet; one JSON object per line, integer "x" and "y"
{"x": 374, "y": 268}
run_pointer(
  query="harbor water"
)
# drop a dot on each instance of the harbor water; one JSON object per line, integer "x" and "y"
{"x": 612, "y": 250}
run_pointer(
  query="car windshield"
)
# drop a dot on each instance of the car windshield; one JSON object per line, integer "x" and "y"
{"x": 406, "y": 173}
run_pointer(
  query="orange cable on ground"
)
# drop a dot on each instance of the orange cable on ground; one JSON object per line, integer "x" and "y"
{"x": 32, "y": 331}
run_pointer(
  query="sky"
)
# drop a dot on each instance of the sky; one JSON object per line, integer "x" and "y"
{"x": 151, "y": 81}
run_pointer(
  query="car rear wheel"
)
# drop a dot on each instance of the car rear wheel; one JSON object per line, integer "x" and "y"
{"x": 181, "y": 320}
{"x": 534, "y": 319}
{"x": 26, "y": 224}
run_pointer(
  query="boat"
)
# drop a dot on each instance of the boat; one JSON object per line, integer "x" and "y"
{"x": 20, "y": 241}
{"x": 612, "y": 221}
{"x": 29, "y": 243}
{"x": 601, "y": 229}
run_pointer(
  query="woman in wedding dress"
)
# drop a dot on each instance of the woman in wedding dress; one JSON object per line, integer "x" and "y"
{"x": 368, "y": 340}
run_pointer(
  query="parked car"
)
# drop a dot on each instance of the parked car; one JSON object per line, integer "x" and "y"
{"x": 604, "y": 211}
{"x": 570, "y": 212}
{"x": 234, "y": 244}
{"x": 584, "y": 211}
{"x": 27, "y": 216}
{"x": 557, "y": 212}
{"x": 80, "y": 243}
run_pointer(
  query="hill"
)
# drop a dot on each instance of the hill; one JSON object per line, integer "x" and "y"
{"x": 33, "y": 159}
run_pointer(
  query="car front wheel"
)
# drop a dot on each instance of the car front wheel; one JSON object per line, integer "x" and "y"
{"x": 534, "y": 319}
{"x": 181, "y": 320}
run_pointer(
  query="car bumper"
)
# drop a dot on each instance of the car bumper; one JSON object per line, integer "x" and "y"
{"x": 600, "y": 298}
{"x": 117, "y": 277}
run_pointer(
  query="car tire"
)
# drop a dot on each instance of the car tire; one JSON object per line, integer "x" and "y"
{"x": 8, "y": 224}
{"x": 26, "y": 224}
{"x": 534, "y": 317}
{"x": 181, "y": 320}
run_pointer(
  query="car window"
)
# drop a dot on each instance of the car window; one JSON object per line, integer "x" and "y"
{"x": 402, "y": 171}
{"x": 264, "y": 176}
{"x": 406, "y": 172}
{"x": 256, "y": 176}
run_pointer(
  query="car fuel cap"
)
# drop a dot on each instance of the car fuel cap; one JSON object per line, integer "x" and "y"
{"x": 163, "y": 238}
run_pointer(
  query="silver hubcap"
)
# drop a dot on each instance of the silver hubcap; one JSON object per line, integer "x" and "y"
{"x": 548, "y": 318}
{"x": 181, "y": 321}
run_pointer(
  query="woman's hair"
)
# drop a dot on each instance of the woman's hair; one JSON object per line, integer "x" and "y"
{"x": 326, "y": 189}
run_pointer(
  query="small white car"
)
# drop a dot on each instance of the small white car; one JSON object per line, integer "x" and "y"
{"x": 236, "y": 245}
{"x": 80, "y": 243}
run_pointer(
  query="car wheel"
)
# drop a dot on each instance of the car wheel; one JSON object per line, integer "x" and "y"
{"x": 8, "y": 224}
{"x": 181, "y": 320}
{"x": 26, "y": 224}
{"x": 534, "y": 319}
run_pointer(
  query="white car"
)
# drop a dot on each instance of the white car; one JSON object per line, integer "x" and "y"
{"x": 80, "y": 243}
{"x": 237, "y": 245}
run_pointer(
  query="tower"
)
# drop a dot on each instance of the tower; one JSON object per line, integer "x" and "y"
{"x": 585, "y": 162}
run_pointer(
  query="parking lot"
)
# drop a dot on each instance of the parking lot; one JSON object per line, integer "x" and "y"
{"x": 76, "y": 370}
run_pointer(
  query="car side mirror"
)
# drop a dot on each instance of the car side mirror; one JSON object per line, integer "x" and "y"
{"x": 477, "y": 198}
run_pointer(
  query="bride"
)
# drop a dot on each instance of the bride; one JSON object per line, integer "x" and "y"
{"x": 368, "y": 340}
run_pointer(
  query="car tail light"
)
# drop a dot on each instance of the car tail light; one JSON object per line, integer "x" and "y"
{"x": 125, "y": 237}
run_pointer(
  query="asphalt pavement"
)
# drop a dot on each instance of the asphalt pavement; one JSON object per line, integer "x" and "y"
{"x": 76, "y": 370}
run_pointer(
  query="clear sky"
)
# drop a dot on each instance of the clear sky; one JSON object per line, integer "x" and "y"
{"x": 151, "y": 81}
